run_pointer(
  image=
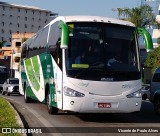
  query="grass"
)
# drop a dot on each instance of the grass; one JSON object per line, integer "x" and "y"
{"x": 7, "y": 117}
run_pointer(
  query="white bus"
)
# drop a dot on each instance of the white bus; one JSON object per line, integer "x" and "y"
{"x": 84, "y": 64}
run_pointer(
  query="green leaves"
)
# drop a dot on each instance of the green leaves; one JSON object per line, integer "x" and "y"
{"x": 7, "y": 115}
{"x": 153, "y": 59}
{"x": 2, "y": 44}
{"x": 140, "y": 16}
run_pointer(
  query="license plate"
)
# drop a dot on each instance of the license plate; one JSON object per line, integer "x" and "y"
{"x": 104, "y": 105}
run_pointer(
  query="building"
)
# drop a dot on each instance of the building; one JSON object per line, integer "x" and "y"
{"x": 5, "y": 57}
{"x": 153, "y": 29}
{"x": 10, "y": 56}
{"x": 21, "y": 19}
{"x": 17, "y": 40}
{"x": 18, "y": 23}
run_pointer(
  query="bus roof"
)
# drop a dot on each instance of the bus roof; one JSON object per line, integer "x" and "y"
{"x": 90, "y": 19}
{"x": 96, "y": 19}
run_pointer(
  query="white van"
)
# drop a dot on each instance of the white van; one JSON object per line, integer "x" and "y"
{"x": 155, "y": 90}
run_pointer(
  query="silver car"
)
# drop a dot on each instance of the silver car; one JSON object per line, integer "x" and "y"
{"x": 155, "y": 91}
{"x": 11, "y": 86}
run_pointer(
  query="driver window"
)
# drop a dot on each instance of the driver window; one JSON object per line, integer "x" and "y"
{"x": 54, "y": 43}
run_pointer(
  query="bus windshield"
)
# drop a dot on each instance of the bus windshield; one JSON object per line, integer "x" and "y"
{"x": 108, "y": 50}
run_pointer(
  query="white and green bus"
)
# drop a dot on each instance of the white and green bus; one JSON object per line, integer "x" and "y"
{"x": 71, "y": 65}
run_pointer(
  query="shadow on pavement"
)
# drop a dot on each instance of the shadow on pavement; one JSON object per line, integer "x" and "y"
{"x": 146, "y": 115}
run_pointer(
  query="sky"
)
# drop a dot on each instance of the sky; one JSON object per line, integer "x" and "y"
{"x": 79, "y": 7}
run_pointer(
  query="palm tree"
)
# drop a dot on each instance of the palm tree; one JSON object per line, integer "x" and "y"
{"x": 2, "y": 44}
{"x": 140, "y": 16}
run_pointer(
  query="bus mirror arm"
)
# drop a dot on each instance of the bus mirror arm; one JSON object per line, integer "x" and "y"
{"x": 147, "y": 38}
{"x": 64, "y": 35}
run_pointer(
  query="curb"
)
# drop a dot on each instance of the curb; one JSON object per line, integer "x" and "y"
{"x": 19, "y": 121}
{"x": 28, "y": 121}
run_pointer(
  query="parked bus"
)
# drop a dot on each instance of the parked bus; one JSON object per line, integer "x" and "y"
{"x": 84, "y": 64}
{"x": 3, "y": 76}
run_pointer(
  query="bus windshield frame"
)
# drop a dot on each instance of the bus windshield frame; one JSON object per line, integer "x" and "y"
{"x": 105, "y": 49}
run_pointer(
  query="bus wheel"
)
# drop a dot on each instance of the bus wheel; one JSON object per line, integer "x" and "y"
{"x": 51, "y": 109}
{"x": 26, "y": 98}
{"x": 157, "y": 106}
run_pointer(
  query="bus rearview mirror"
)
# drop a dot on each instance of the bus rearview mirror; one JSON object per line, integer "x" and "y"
{"x": 64, "y": 35}
{"x": 147, "y": 38}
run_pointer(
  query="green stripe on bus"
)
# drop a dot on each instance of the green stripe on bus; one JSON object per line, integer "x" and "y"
{"x": 36, "y": 67}
{"x": 31, "y": 75}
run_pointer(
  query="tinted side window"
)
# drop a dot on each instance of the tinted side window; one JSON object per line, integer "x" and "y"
{"x": 23, "y": 54}
{"x": 54, "y": 35}
{"x": 156, "y": 77}
{"x": 44, "y": 35}
{"x": 54, "y": 43}
{"x": 25, "y": 46}
{"x": 30, "y": 49}
{"x": 38, "y": 43}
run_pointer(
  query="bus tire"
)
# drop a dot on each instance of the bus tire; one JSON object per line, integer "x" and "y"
{"x": 157, "y": 106}
{"x": 51, "y": 109}
{"x": 26, "y": 98}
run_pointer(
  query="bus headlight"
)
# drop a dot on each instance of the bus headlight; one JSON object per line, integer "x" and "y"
{"x": 72, "y": 93}
{"x": 136, "y": 94}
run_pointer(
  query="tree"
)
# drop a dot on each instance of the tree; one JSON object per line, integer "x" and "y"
{"x": 140, "y": 16}
{"x": 17, "y": 59}
{"x": 153, "y": 59}
{"x": 158, "y": 41}
{"x": 24, "y": 39}
{"x": 2, "y": 44}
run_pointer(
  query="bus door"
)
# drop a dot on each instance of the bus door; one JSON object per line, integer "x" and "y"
{"x": 54, "y": 72}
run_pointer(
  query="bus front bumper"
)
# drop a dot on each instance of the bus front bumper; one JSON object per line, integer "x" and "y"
{"x": 102, "y": 104}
